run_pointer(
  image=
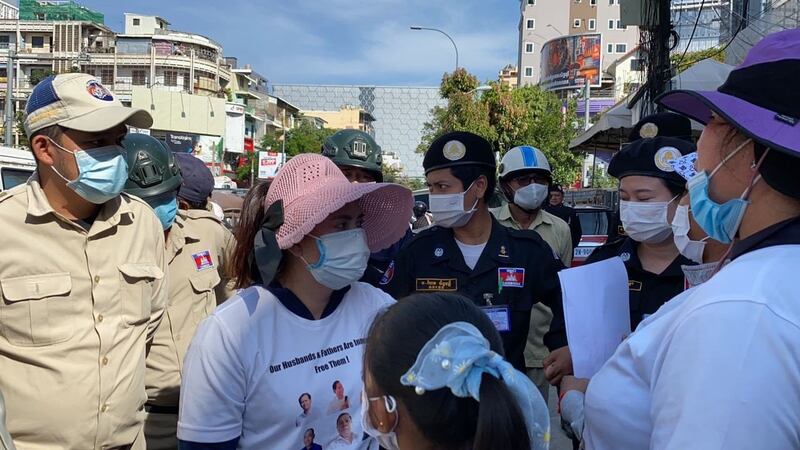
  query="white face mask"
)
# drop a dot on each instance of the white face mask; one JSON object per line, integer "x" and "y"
{"x": 697, "y": 275}
{"x": 448, "y": 209}
{"x": 645, "y": 221}
{"x": 680, "y": 233}
{"x": 343, "y": 258}
{"x": 386, "y": 440}
{"x": 531, "y": 196}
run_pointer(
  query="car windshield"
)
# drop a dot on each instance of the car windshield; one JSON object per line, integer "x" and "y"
{"x": 593, "y": 222}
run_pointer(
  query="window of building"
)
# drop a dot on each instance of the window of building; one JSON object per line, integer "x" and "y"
{"x": 592, "y": 24}
{"x": 531, "y": 2}
{"x": 139, "y": 78}
{"x": 637, "y": 64}
{"x": 610, "y": 24}
{"x": 610, "y": 48}
{"x": 528, "y": 71}
{"x": 577, "y": 1}
{"x": 576, "y": 23}
{"x": 37, "y": 42}
{"x": 107, "y": 77}
{"x": 622, "y": 48}
{"x": 529, "y": 47}
{"x": 170, "y": 78}
{"x": 530, "y": 24}
{"x": 619, "y": 25}
{"x": 4, "y": 41}
{"x": 593, "y": 2}
{"x": 186, "y": 86}
{"x": 136, "y": 21}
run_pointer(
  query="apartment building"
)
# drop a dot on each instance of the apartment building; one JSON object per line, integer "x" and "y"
{"x": 543, "y": 20}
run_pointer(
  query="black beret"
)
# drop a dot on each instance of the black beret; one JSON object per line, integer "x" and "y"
{"x": 458, "y": 148}
{"x": 664, "y": 124}
{"x": 650, "y": 158}
{"x": 198, "y": 182}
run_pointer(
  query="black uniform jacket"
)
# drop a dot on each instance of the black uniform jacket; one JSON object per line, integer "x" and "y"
{"x": 517, "y": 268}
{"x": 648, "y": 291}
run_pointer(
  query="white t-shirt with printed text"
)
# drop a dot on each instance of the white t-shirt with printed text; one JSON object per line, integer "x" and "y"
{"x": 252, "y": 359}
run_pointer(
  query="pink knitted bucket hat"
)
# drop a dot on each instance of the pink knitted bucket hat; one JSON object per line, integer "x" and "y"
{"x": 312, "y": 187}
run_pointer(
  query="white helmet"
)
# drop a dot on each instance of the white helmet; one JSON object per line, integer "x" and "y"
{"x": 523, "y": 157}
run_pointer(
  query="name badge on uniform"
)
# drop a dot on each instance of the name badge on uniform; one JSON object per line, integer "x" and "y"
{"x": 511, "y": 277}
{"x": 500, "y": 317}
{"x": 634, "y": 285}
{"x": 202, "y": 260}
{"x": 437, "y": 284}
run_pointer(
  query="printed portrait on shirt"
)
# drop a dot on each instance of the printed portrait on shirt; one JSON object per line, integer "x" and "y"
{"x": 341, "y": 401}
{"x": 309, "y": 437}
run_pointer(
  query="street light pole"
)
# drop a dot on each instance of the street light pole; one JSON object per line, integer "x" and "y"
{"x": 416, "y": 28}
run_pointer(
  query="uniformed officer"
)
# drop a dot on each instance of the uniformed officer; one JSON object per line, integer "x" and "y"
{"x": 556, "y": 207}
{"x": 196, "y": 251}
{"x": 524, "y": 179}
{"x": 82, "y": 276}
{"x": 359, "y": 158}
{"x": 650, "y": 190}
{"x": 505, "y": 271}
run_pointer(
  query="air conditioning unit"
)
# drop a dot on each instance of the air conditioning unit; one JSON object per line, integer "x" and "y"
{"x": 632, "y": 13}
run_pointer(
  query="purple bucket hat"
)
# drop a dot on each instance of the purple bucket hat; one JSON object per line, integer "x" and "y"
{"x": 759, "y": 97}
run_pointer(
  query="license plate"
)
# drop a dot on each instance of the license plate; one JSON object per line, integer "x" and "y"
{"x": 583, "y": 252}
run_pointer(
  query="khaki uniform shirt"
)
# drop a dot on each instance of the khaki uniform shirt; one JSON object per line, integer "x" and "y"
{"x": 198, "y": 250}
{"x": 77, "y": 310}
{"x": 556, "y": 233}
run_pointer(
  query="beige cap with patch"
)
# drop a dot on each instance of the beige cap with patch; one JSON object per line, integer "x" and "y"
{"x": 78, "y": 101}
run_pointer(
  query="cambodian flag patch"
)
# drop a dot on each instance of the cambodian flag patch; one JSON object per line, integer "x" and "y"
{"x": 511, "y": 277}
{"x": 202, "y": 260}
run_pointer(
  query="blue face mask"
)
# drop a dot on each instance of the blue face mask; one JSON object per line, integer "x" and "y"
{"x": 720, "y": 220}
{"x": 102, "y": 172}
{"x": 166, "y": 208}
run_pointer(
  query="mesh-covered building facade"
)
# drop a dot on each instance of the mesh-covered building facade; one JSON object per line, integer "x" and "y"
{"x": 400, "y": 112}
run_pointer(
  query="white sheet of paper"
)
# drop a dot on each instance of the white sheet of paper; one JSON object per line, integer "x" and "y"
{"x": 596, "y": 311}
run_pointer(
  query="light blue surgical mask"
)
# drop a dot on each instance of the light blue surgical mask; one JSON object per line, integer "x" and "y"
{"x": 343, "y": 258}
{"x": 102, "y": 172}
{"x": 166, "y": 208}
{"x": 720, "y": 220}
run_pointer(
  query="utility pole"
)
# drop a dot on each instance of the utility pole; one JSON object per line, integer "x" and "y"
{"x": 587, "y": 102}
{"x": 9, "y": 124}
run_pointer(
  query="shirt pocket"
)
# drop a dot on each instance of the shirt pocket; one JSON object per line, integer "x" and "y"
{"x": 203, "y": 284}
{"x": 37, "y": 310}
{"x": 136, "y": 291}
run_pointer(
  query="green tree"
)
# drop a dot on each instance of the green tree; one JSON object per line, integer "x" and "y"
{"x": 507, "y": 118}
{"x": 394, "y": 175}
{"x": 305, "y": 138}
{"x": 23, "y": 137}
{"x": 680, "y": 62}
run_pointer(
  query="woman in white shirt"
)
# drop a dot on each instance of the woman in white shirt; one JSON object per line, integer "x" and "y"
{"x": 718, "y": 367}
{"x": 302, "y": 324}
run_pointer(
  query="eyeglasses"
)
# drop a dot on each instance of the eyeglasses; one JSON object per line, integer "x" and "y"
{"x": 525, "y": 180}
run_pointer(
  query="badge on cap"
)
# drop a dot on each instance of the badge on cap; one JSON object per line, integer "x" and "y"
{"x": 648, "y": 130}
{"x": 454, "y": 150}
{"x": 98, "y": 91}
{"x": 664, "y": 155}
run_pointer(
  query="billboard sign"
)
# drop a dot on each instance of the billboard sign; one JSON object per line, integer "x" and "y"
{"x": 269, "y": 163}
{"x": 202, "y": 146}
{"x": 568, "y": 61}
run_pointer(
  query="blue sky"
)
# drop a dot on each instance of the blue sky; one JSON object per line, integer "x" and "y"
{"x": 344, "y": 41}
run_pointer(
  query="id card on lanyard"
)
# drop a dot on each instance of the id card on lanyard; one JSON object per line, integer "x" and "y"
{"x": 500, "y": 315}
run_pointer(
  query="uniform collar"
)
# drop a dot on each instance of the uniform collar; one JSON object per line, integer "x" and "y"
{"x": 630, "y": 247}
{"x": 504, "y": 214}
{"x": 109, "y": 216}
{"x": 293, "y": 304}
{"x": 497, "y": 250}
{"x": 198, "y": 213}
{"x": 782, "y": 233}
